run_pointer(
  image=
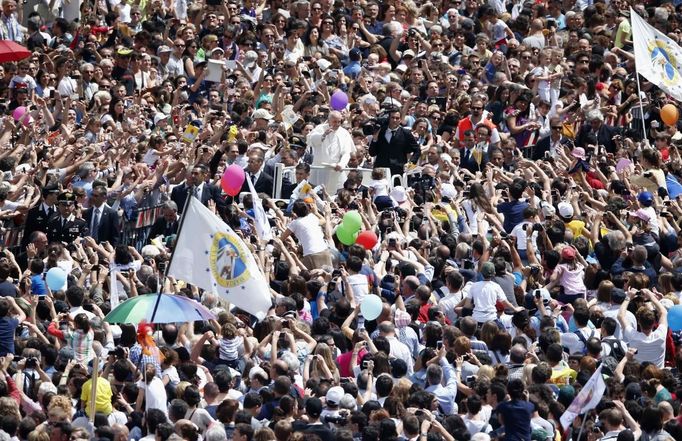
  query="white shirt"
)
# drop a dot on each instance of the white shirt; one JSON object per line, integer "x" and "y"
{"x": 155, "y": 394}
{"x": 400, "y": 350}
{"x": 485, "y": 295}
{"x": 447, "y": 305}
{"x": 359, "y": 285}
{"x": 649, "y": 347}
{"x": 574, "y": 344}
{"x": 309, "y": 233}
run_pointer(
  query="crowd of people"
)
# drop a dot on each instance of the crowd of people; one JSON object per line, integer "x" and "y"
{"x": 523, "y": 187}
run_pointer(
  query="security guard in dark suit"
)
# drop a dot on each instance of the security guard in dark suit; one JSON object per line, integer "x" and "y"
{"x": 66, "y": 227}
{"x": 39, "y": 216}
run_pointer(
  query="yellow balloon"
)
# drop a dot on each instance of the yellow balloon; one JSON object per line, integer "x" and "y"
{"x": 670, "y": 114}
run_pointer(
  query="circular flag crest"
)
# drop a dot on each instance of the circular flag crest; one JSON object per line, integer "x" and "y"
{"x": 664, "y": 62}
{"x": 227, "y": 260}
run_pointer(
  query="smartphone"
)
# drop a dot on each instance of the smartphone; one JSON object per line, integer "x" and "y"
{"x": 365, "y": 364}
{"x": 439, "y": 344}
{"x": 285, "y": 325}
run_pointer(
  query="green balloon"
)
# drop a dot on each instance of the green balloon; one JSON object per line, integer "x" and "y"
{"x": 352, "y": 221}
{"x": 345, "y": 235}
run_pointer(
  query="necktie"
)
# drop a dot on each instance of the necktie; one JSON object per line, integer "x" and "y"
{"x": 95, "y": 224}
{"x": 253, "y": 179}
{"x": 196, "y": 193}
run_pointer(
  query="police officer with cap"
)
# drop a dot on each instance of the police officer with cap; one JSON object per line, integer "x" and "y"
{"x": 66, "y": 227}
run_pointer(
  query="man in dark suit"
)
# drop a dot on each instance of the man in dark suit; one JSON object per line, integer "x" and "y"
{"x": 468, "y": 159}
{"x": 66, "y": 227}
{"x": 551, "y": 142}
{"x": 262, "y": 181}
{"x": 102, "y": 220}
{"x": 202, "y": 190}
{"x": 595, "y": 126}
{"x": 38, "y": 217}
{"x": 393, "y": 145}
{"x": 168, "y": 224}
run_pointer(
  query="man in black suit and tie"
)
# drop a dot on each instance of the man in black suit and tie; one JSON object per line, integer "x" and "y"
{"x": 469, "y": 160}
{"x": 66, "y": 227}
{"x": 39, "y": 216}
{"x": 393, "y": 145}
{"x": 595, "y": 126}
{"x": 262, "y": 181}
{"x": 168, "y": 224}
{"x": 552, "y": 142}
{"x": 202, "y": 190}
{"x": 102, "y": 219}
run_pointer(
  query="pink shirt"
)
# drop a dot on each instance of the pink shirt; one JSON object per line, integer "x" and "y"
{"x": 343, "y": 361}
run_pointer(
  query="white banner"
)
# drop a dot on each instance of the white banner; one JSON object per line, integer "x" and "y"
{"x": 210, "y": 255}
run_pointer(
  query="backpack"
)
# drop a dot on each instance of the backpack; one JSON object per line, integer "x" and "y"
{"x": 616, "y": 349}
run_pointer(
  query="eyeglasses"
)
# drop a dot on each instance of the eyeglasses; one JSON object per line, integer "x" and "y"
{"x": 476, "y": 108}
{"x": 437, "y": 118}
{"x": 556, "y": 127}
{"x": 584, "y": 61}
{"x": 135, "y": 13}
{"x": 525, "y": 57}
{"x": 317, "y": 9}
{"x": 179, "y": 45}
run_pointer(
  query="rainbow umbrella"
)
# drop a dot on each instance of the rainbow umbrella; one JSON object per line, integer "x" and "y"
{"x": 170, "y": 309}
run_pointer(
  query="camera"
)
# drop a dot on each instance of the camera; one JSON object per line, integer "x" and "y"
{"x": 537, "y": 227}
{"x": 339, "y": 420}
{"x": 31, "y": 363}
{"x": 372, "y": 125}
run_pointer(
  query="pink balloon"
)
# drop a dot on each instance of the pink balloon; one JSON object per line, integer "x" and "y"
{"x": 18, "y": 113}
{"x": 232, "y": 180}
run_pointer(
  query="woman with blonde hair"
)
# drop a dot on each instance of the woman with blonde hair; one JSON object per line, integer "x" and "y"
{"x": 321, "y": 365}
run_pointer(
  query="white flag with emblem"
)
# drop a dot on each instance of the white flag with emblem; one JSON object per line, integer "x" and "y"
{"x": 210, "y": 255}
{"x": 588, "y": 398}
{"x": 657, "y": 57}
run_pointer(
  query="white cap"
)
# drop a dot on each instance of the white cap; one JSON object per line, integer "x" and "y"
{"x": 565, "y": 209}
{"x": 447, "y": 190}
{"x": 334, "y": 395}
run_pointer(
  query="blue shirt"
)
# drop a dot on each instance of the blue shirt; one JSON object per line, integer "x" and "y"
{"x": 513, "y": 213}
{"x": 8, "y": 325}
{"x": 353, "y": 69}
{"x": 516, "y": 415}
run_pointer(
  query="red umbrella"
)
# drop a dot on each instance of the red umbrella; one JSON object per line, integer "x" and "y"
{"x": 11, "y": 51}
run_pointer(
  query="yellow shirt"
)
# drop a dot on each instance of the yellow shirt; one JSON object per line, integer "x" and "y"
{"x": 102, "y": 396}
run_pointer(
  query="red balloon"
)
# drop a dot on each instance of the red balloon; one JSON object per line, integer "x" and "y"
{"x": 367, "y": 239}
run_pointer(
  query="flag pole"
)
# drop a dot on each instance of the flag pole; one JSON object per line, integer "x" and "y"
{"x": 190, "y": 195}
{"x": 582, "y": 426}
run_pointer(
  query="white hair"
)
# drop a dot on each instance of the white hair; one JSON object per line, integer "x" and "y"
{"x": 480, "y": 437}
{"x": 594, "y": 115}
{"x": 291, "y": 360}
{"x": 215, "y": 433}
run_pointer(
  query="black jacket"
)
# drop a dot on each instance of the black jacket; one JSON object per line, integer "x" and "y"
{"x": 263, "y": 184}
{"x": 604, "y": 136}
{"x": 395, "y": 154}
{"x": 470, "y": 163}
{"x": 209, "y": 192}
{"x": 67, "y": 232}
{"x": 109, "y": 226}
{"x": 37, "y": 220}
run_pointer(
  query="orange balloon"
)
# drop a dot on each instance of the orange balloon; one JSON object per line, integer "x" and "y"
{"x": 670, "y": 114}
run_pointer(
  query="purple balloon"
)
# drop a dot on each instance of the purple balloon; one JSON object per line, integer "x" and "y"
{"x": 339, "y": 100}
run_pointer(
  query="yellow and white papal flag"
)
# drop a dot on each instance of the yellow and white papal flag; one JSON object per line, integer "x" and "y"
{"x": 210, "y": 255}
{"x": 657, "y": 57}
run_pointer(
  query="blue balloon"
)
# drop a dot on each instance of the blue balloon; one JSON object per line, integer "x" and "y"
{"x": 55, "y": 279}
{"x": 371, "y": 307}
{"x": 675, "y": 318}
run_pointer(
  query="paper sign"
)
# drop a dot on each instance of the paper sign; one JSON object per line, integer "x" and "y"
{"x": 289, "y": 116}
{"x": 215, "y": 71}
{"x": 191, "y": 133}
